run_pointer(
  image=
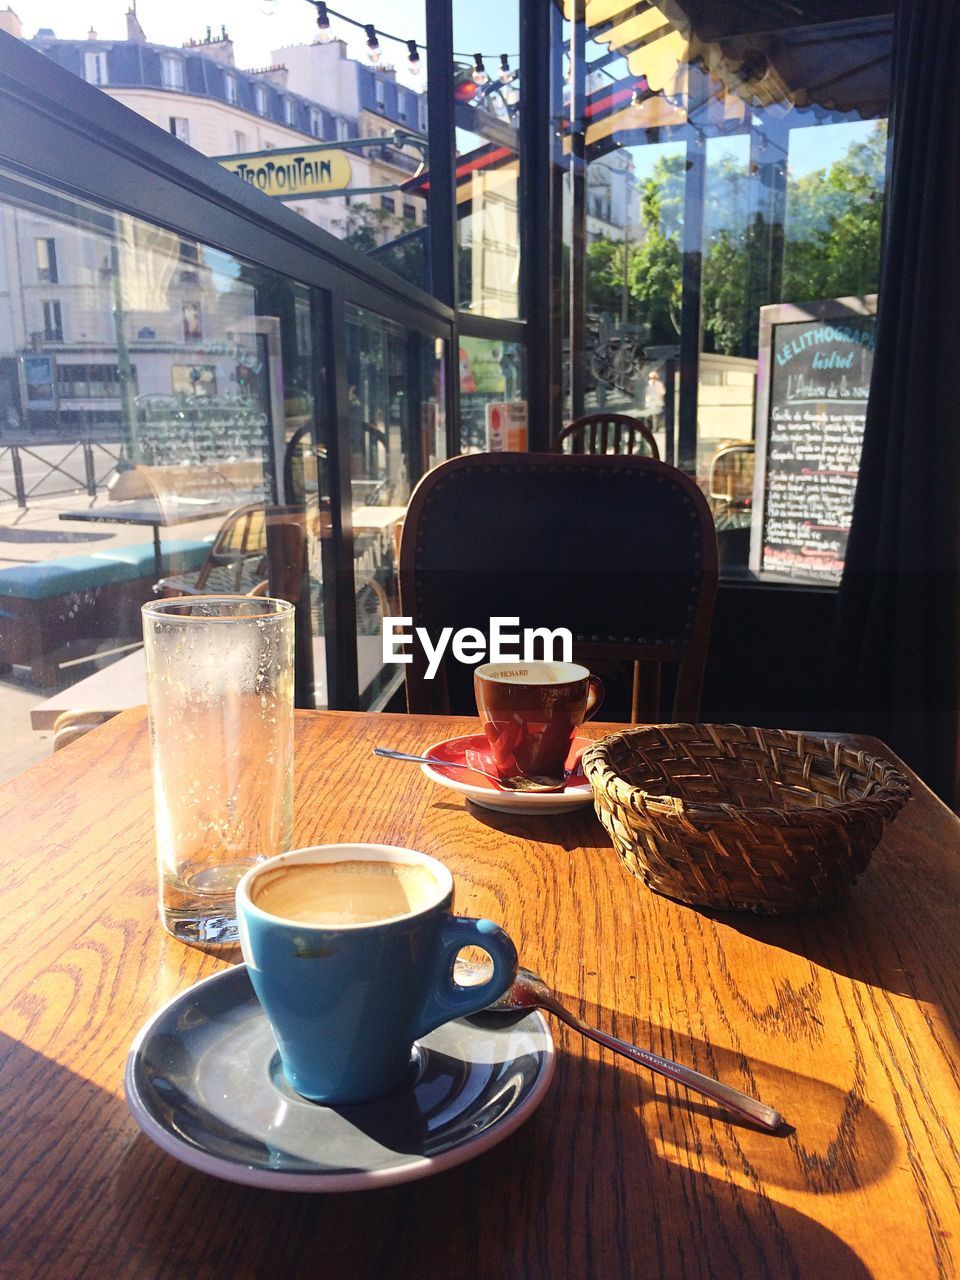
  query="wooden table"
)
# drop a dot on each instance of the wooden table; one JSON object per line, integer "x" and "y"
{"x": 846, "y": 1020}
{"x": 164, "y": 512}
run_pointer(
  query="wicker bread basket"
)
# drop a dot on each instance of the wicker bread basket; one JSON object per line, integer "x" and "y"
{"x": 741, "y": 819}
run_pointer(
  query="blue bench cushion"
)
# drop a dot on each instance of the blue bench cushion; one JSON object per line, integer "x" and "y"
{"x": 60, "y": 577}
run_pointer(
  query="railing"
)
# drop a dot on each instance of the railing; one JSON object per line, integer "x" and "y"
{"x": 90, "y": 480}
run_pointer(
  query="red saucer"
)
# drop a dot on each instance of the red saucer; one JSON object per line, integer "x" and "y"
{"x": 474, "y": 749}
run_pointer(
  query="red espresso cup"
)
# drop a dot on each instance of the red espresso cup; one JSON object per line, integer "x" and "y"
{"x": 531, "y": 712}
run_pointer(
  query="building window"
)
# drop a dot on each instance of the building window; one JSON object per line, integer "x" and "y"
{"x": 192, "y": 328}
{"x": 180, "y": 128}
{"x": 401, "y": 105}
{"x": 316, "y": 123}
{"x": 290, "y": 112}
{"x": 380, "y": 90}
{"x": 342, "y": 134}
{"x": 52, "y": 322}
{"x": 90, "y": 381}
{"x": 47, "y": 261}
{"x": 95, "y": 68}
{"x": 239, "y": 141}
{"x": 410, "y": 211}
{"x": 388, "y": 204}
{"x": 171, "y": 72}
{"x": 230, "y": 89}
{"x": 262, "y": 99}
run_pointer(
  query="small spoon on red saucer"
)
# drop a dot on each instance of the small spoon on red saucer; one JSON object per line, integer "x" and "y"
{"x": 518, "y": 783}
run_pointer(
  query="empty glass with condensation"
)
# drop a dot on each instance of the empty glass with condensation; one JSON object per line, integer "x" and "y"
{"x": 220, "y": 700}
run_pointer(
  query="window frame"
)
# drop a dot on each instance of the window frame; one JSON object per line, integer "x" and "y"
{"x": 172, "y": 73}
{"x": 50, "y": 274}
{"x": 96, "y": 58}
{"x": 52, "y": 320}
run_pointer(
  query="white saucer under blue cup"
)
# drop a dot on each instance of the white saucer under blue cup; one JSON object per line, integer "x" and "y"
{"x": 204, "y": 1082}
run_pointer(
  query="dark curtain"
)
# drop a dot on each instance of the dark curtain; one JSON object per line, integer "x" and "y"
{"x": 898, "y": 627}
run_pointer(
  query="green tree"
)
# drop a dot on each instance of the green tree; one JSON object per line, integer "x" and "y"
{"x": 833, "y": 223}
{"x": 390, "y": 240}
{"x": 831, "y": 245}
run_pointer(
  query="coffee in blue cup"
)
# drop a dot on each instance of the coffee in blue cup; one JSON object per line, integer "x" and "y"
{"x": 350, "y": 949}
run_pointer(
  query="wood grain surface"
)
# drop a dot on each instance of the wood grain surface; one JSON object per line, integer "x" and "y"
{"x": 847, "y": 1020}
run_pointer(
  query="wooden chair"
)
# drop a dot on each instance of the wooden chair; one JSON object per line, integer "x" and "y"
{"x": 235, "y": 564}
{"x": 607, "y": 433}
{"x": 71, "y": 725}
{"x": 731, "y": 477}
{"x": 622, "y": 551}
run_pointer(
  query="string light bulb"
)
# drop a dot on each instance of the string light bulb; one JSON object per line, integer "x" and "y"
{"x": 374, "y": 52}
{"x": 479, "y": 73}
{"x": 414, "y": 58}
{"x": 325, "y": 35}
{"x": 506, "y": 75}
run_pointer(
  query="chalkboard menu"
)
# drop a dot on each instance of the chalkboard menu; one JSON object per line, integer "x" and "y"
{"x": 813, "y": 382}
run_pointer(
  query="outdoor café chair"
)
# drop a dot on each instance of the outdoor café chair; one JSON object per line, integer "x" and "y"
{"x": 620, "y": 550}
{"x": 617, "y": 433}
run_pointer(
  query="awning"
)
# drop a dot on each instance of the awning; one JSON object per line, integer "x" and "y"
{"x": 833, "y": 55}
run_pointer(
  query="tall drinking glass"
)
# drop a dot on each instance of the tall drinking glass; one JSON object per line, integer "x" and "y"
{"x": 220, "y": 698}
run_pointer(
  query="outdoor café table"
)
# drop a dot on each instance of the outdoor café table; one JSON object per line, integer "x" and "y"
{"x": 846, "y": 1020}
{"x": 163, "y": 513}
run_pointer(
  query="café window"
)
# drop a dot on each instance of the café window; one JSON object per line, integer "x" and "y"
{"x": 95, "y": 67}
{"x": 722, "y": 180}
{"x": 47, "y": 260}
{"x": 180, "y": 128}
{"x": 262, "y": 98}
{"x": 171, "y": 72}
{"x": 194, "y": 379}
{"x": 52, "y": 322}
{"x": 230, "y": 89}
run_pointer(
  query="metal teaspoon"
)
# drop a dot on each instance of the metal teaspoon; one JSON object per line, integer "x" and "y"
{"x": 530, "y": 992}
{"x": 519, "y": 783}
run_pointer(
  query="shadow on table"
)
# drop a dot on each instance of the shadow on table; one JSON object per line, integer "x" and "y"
{"x": 525, "y": 1208}
{"x": 571, "y": 829}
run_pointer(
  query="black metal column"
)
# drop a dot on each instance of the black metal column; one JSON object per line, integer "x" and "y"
{"x": 691, "y": 320}
{"x": 442, "y": 200}
{"x": 329, "y": 328}
{"x": 578, "y": 208}
{"x": 537, "y": 232}
{"x": 769, "y": 143}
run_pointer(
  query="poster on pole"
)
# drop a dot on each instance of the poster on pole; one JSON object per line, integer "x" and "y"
{"x": 813, "y": 379}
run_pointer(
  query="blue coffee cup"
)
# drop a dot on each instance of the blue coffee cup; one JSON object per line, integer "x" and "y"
{"x": 346, "y": 1001}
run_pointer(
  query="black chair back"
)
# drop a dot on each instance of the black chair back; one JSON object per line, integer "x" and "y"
{"x": 620, "y": 550}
